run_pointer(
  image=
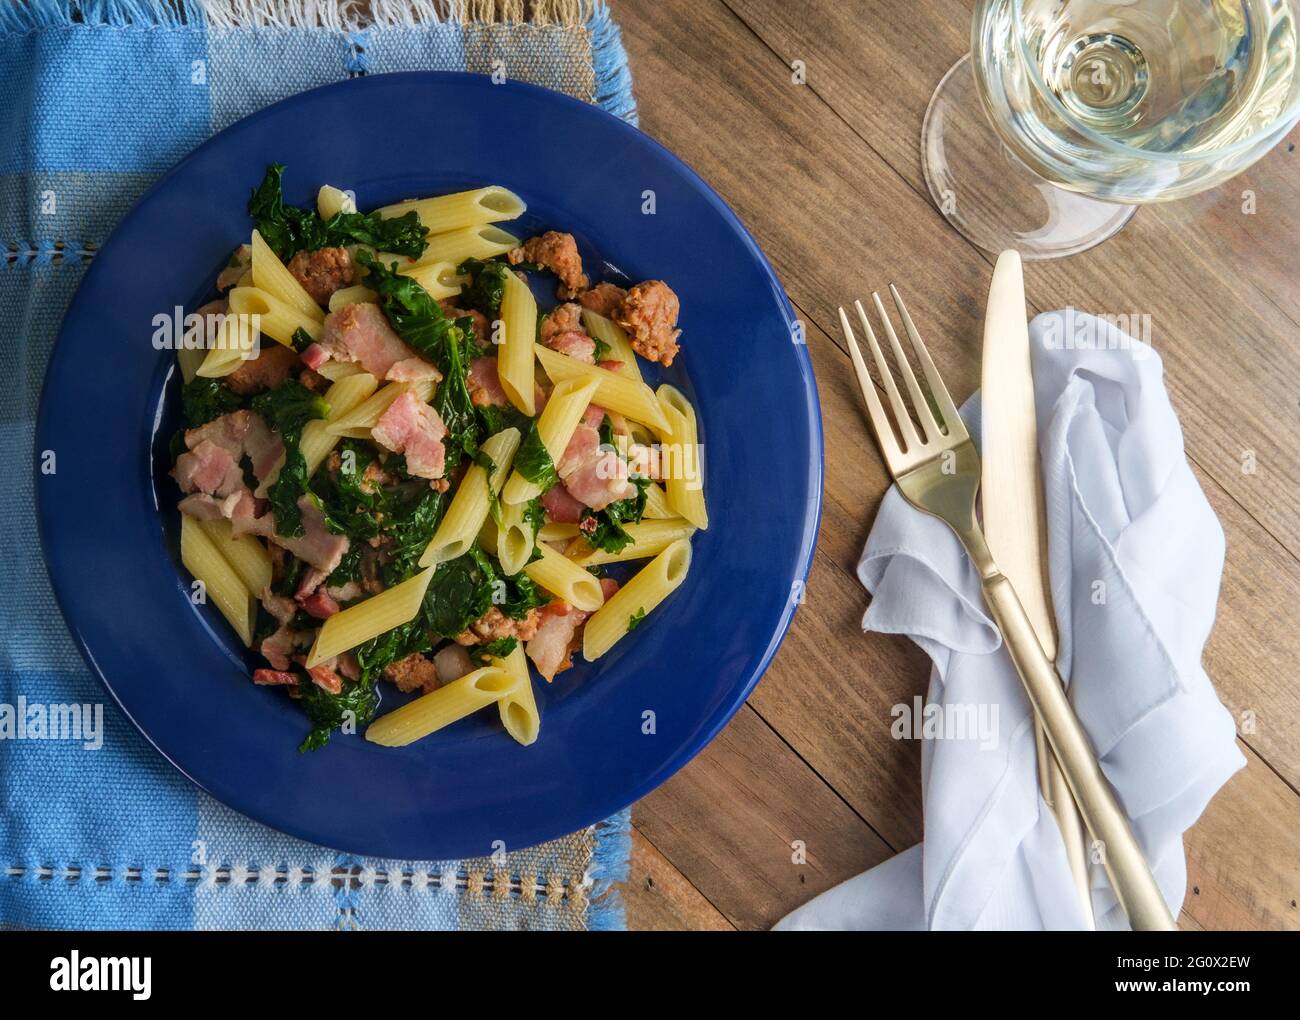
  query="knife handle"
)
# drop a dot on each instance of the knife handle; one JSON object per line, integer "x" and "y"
{"x": 1130, "y": 876}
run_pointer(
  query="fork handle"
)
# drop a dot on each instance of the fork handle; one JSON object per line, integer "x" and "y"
{"x": 1130, "y": 876}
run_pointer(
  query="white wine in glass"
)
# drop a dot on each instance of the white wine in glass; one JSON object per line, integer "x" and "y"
{"x": 1068, "y": 113}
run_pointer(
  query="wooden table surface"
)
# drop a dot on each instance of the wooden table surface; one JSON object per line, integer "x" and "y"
{"x": 827, "y": 175}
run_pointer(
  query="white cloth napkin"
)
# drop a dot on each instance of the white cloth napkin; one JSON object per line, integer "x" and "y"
{"x": 1135, "y": 556}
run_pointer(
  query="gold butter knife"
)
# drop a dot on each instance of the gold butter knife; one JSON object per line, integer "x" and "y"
{"x": 1011, "y": 501}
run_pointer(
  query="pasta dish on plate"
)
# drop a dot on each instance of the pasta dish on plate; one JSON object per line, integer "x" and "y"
{"x": 398, "y": 468}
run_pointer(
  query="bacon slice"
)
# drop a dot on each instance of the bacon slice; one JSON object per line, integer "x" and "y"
{"x": 413, "y": 428}
{"x": 593, "y": 475}
{"x": 320, "y": 604}
{"x": 560, "y": 506}
{"x": 208, "y": 468}
{"x": 324, "y": 677}
{"x": 484, "y": 383}
{"x": 274, "y": 677}
{"x": 317, "y": 545}
{"x": 215, "y": 451}
{"x": 559, "y": 634}
{"x": 575, "y": 345}
{"x": 361, "y": 333}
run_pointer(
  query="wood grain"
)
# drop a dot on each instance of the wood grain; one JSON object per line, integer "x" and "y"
{"x": 827, "y": 176}
{"x": 658, "y": 897}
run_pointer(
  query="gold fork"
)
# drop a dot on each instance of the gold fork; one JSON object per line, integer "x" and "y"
{"x": 939, "y": 473}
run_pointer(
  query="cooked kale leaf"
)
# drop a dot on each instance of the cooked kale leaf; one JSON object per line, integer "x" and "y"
{"x": 499, "y": 649}
{"x": 518, "y": 594}
{"x": 287, "y": 409}
{"x": 413, "y": 521}
{"x": 533, "y": 460}
{"x": 352, "y": 506}
{"x": 460, "y": 592}
{"x": 356, "y": 703}
{"x": 486, "y": 287}
{"x": 288, "y": 229}
{"x": 203, "y": 400}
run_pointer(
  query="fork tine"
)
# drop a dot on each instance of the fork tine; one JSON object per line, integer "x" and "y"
{"x": 951, "y": 419}
{"x": 924, "y": 414}
{"x": 910, "y": 439}
{"x": 879, "y": 421}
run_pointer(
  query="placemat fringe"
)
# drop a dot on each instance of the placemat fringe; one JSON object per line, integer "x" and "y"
{"x": 609, "y": 865}
{"x": 22, "y": 16}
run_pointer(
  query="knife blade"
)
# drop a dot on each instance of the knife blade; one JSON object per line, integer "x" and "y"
{"x": 1014, "y": 515}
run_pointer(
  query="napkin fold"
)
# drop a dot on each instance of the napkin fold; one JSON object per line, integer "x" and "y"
{"x": 1135, "y": 556}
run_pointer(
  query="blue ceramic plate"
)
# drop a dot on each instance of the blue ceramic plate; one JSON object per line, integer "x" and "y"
{"x": 110, "y": 528}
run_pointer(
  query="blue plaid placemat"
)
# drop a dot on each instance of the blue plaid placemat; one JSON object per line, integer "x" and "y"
{"x": 101, "y": 97}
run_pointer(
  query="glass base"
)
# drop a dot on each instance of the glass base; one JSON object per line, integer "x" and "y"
{"x": 989, "y": 195}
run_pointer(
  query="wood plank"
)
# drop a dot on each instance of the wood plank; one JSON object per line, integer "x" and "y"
{"x": 731, "y": 819}
{"x": 658, "y": 897}
{"x": 1242, "y": 853}
{"x": 823, "y": 255}
{"x": 1220, "y": 322}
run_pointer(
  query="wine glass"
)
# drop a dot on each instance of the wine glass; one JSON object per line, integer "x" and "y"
{"x": 1091, "y": 107}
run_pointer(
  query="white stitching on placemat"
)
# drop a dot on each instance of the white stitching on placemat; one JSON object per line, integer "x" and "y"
{"x": 552, "y": 887}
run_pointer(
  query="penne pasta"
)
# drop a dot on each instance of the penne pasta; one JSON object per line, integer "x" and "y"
{"x": 245, "y": 554}
{"x": 460, "y": 210}
{"x": 379, "y": 613}
{"x": 440, "y": 279}
{"x": 275, "y": 319}
{"x": 555, "y": 427}
{"x": 358, "y": 422}
{"x": 558, "y": 532}
{"x": 478, "y": 242}
{"x": 428, "y": 714}
{"x": 356, "y": 295}
{"x": 336, "y": 370}
{"x": 564, "y": 578}
{"x": 656, "y": 503}
{"x": 685, "y": 482}
{"x": 222, "y": 585}
{"x": 630, "y": 604}
{"x": 611, "y": 333}
{"x": 614, "y": 392}
{"x": 519, "y": 714}
{"x": 236, "y": 340}
{"x": 515, "y": 355}
{"x": 469, "y": 509}
{"x": 330, "y": 201}
{"x": 649, "y": 538}
{"x": 515, "y": 538}
{"x": 344, "y": 396}
{"x": 271, "y": 276}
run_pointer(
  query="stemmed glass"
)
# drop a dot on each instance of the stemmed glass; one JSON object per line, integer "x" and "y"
{"x": 1067, "y": 114}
